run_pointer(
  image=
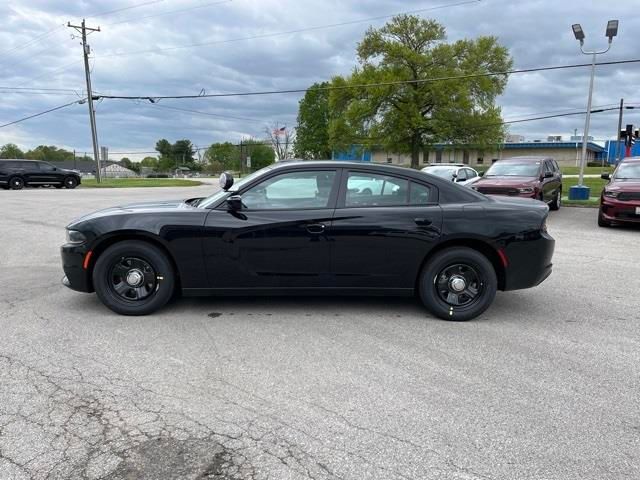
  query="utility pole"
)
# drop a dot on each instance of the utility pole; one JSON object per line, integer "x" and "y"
{"x": 575, "y": 135}
{"x": 86, "y": 49}
{"x": 615, "y": 158}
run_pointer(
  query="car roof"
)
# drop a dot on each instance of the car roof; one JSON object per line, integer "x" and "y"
{"x": 528, "y": 158}
{"x": 382, "y": 168}
{"x": 446, "y": 165}
{"x": 630, "y": 160}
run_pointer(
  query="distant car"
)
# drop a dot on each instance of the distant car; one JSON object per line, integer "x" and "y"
{"x": 459, "y": 173}
{"x": 301, "y": 228}
{"x": 620, "y": 198}
{"x": 528, "y": 177}
{"x": 17, "y": 174}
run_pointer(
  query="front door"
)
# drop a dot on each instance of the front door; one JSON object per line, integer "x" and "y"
{"x": 382, "y": 230}
{"x": 278, "y": 239}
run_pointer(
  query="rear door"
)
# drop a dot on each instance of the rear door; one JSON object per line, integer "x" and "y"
{"x": 380, "y": 239}
{"x": 279, "y": 238}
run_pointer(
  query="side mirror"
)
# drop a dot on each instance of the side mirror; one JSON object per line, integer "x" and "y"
{"x": 548, "y": 174}
{"x": 605, "y": 176}
{"x": 226, "y": 181}
{"x": 481, "y": 174}
{"x": 234, "y": 202}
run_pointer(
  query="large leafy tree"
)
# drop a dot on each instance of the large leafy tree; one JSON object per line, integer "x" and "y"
{"x": 11, "y": 150}
{"x": 173, "y": 155}
{"x": 260, "y": 151}
{"x": 50, "y": 153}
{"x": 312, "y": 132}
{"x": 425, "y": 109}
{"x": 223, "y": 156}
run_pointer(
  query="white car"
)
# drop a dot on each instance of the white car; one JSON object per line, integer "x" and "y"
{"x": 459, "y": 173}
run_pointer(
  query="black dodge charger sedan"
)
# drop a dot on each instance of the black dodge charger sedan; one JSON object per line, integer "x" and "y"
{"x": 315, "y": 228}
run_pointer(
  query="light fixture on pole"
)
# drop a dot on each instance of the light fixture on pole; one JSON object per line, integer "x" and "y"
{"x": 580, "y": 191}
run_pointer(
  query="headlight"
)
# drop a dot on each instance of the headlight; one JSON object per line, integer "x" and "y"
{"x": 526, "y": 190}
{"x": 611, "y": 193}
{"x": 73, "y": 236}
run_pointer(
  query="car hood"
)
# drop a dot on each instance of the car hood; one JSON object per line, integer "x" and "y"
{"x": 505, "y": 181}
{"x": 622, "y": 185}
{"x": 137, "y": 208}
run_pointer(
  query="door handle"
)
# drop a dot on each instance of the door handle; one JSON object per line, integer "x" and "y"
{"x": 315, "y": 228}
{"x": 422, "y": 221}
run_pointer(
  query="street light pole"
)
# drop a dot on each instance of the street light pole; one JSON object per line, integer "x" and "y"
{"x": 580, "y": 191}
{"x": 587, "y": 121}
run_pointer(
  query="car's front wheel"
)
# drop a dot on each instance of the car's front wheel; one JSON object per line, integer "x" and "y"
{"x": 133, "y": 278}
{"x": 16, "y": 183}
{"x": 556, "y": 203}
{"x": 602, "y": 222}
{"x": 70, "y": 182}
{"x": 458, "y": 283}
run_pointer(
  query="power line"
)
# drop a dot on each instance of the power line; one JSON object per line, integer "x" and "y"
{"x": 32, "y": 41}
{"x": 155, "y": 98}
{"x": 362, "y": 138}
{"x": 199, "y": 112}
{"x": 288, "y": 32}
{"x": 130, "y": 7}
{"x": 170, "y": 12}
{"x": 43, "y": 113}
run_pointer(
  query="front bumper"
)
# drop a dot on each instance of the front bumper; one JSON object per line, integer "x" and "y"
{"x": 529, "y": 262}
{"x": 614, "y": 210}
{"x": 76, "y": 277}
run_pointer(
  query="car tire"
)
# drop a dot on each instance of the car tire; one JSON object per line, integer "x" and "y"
{"x": 556, "y": 203}
{"x": 601, "y": 220}
{"x": 440, "y": 289}
{"x": 17, "y": 183}
{"x": 124, "y": 262}
{"x": 70, "y": 182}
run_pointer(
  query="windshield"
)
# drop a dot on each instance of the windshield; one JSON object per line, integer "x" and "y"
{"x": 509, "y": 169}
{"x": 628, "y": 171}
{"x": 443, "y": 172}
{"x": 237, "y": 185}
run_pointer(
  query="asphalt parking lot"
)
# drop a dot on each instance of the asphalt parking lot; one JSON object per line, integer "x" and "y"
{"x": 543, "y": 386}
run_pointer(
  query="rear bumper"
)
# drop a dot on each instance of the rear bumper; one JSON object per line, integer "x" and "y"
{"x": 619, "y": 211}
{"x": 529, "y": 262}
{"x": 76, "y": 277}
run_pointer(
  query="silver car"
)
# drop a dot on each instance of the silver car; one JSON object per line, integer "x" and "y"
{"x": 458, "y": 173}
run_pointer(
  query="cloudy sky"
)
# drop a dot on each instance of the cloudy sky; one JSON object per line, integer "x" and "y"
{"x": 136, "y": 53}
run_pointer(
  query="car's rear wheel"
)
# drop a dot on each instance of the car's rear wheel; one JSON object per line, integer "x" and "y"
{"x": 556, "y": 203}
{"x": 602, "y": 222}
{"x": 133, "y": 278}
{"x": 70, "y": 182}
{"x": 16, "y": 183}
{"x": 458, "y": 283}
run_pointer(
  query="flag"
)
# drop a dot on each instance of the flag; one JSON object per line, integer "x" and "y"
{"x": 280, "y": 131}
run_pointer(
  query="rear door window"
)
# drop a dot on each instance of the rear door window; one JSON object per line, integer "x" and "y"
{"x": 374, "y": 190}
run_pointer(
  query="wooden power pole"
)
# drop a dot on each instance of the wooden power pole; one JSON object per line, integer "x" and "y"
{"x": 86, "y": 50}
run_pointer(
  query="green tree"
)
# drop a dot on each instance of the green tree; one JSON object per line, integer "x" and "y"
{"x": 127, "y": 163}
{"x": 149, "y": 162}
{"x": 312, "y": 132}
{"x": 175, "y": 155}
{"x": 223, "y": 155}
{"x": 50, "y": 153}
{"x": 260, "y": 151}
{"x": 406, "y": 117}
{"x": 11, "y": 150}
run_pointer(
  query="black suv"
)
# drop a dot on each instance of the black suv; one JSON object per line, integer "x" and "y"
{"x": 17, "y": 174}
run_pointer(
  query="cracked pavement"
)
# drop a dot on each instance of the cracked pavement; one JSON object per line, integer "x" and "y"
{"x": 543, "y": 386}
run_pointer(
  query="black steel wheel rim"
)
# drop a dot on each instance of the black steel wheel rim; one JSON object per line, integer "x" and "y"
{"x": 17, "y": 182}
{"x": 132, "y": 279}
{"x": 71, "y": 182}
{"x": 459, "y": 285}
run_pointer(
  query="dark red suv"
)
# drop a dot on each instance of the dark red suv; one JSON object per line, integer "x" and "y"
{"x": 620, "y": 199}
{"x": 530, "y": 177}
